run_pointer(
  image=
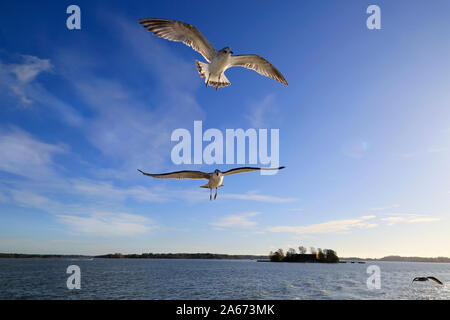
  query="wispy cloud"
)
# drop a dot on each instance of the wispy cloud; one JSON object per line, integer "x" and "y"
{"x": 25, "y": 156}
{"x": 16, "y": 76}
{"x": 107, "y": 190}
{"x": 20, "y": 79}
{"x": 253, "y": 196}
{"x": 334, "y": 226}
{"x": 237, "y": 221}
{"x": 408, "y": 218}
{"x": 108, "y": 224}
{"x": 422, "y": 152}
{"x": 30, "y": 68}
{"x": 262, "y": 112}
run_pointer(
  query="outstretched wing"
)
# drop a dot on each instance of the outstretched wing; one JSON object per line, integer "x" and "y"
{"x": 181, "y": 32}
{"x": 416, "y": 279}
{"x": 258, "y": 64}
{"x": 179, "y": 175}
{"x": 435, "y": 280}
{"x": 247, "y": 169}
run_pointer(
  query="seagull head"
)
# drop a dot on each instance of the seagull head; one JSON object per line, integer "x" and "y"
{"x": 226, "y": 50}
{"x": 217, "y": 172}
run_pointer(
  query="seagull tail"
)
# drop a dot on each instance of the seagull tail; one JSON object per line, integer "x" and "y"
{"x": 211, "y": 80}
{"x": 203, "y": 69}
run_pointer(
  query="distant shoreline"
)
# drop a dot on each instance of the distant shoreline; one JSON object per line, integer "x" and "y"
{"x": 212, "y": 256}
{"x": 140, "y": 256}
{"x": 401, "y": 259}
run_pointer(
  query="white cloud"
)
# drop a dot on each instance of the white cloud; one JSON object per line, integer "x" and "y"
{"x": 262, "y": 112}
{"x": 393, "y": 220}
{"x": 108, "y": 224}
{"x": 408, "y": 218}
{"x": 334, "y": 226}
{"x": 20, "y": 80}
{"x": 108, "y": 191}
{"x": 367, "y": 217}
{"x": 346, "y": 225}
{"x": 30, "y": 199}
{"x": 26, "y": 156}
{"x": 258, "y": 197}
{"x": 424, "y": 219}
{"x": 237, "y": 221}
{"x": 30, "y": 68}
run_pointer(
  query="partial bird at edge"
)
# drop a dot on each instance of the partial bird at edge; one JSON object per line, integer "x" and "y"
{"x": 426, "y": 279}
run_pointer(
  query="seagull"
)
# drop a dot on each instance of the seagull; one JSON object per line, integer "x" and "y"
{"x": 426, "y": 279}
{"x": 219, "y": 60}
{"x": 215, "y": 178}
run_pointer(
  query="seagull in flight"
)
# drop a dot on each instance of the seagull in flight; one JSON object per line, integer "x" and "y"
{"x": 219, "y": 60}
{"x": 215, "y": 178}
{"x": 426, "y": 279}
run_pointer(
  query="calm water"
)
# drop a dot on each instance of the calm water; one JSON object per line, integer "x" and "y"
{"x": 216, "y": 279}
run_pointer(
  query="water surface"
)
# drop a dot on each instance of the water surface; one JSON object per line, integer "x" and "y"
{"x": 216, "y": 279}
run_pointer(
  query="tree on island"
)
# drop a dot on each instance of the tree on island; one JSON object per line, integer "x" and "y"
{"x": 321, "y": 256}
{"x": 302, "y": 250}
{"x": 290, "y": 252}
{"x": 331, "y": 256}
{"x": 277, "y": 256}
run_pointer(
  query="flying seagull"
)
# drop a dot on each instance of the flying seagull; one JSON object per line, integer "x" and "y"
{"x": 219, "y": 60}
{"x": 426, "y": 279}
{"x": 215, "y": 178}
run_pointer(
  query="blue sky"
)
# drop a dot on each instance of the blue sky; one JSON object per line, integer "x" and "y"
{"x": 364, "y": 129}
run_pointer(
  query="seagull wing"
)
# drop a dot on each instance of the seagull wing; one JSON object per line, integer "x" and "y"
{"x": 186, "y": 174}
{"x": 435, "y": 280}
{"x": 415, "y": 279}
{"x": 258, "y": 64}
{"x": 181, "y": 32}
{"x": 247, "y": 169}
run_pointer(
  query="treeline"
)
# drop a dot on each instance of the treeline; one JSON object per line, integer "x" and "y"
{"x": 414, "y": 259}
{"x": 179, "y": 256}
{"x": 319, "y": 255}
{"x": 24, "y": 255}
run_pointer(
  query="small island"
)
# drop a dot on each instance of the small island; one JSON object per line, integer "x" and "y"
{"x": 315, "y": 256}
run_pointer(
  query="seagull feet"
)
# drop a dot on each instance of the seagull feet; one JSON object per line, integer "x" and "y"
{"x": 215, "y": 196}
{"x": 210, "y": 197}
